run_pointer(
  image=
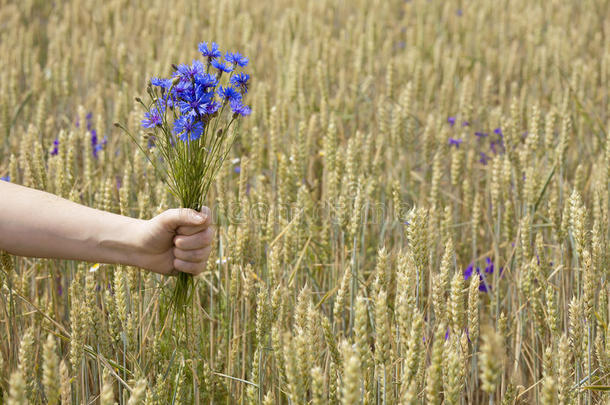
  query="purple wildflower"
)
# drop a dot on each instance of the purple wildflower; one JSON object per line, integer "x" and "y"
{"x": 88, "y": 117}
{"x": 6, "y": 178}
{"x": 469, "y": 270}
{"x": 55, "y": 149}
{"x": 481, "y": 134}
{"x": 95, "y": 146}
{"x": 492, "y": 146}
{"x": 484, "y": 285}
{"x": 455, "y": 142}
{"x": 451, "y": 121}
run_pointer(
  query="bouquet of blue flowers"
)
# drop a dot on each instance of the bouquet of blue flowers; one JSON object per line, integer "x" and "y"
{"x": 189, "y": 117}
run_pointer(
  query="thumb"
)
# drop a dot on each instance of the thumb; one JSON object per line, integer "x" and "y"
{"x": 177, "y": 217}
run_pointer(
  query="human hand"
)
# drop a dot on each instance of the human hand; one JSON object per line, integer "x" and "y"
{"x": 177, "y": 240}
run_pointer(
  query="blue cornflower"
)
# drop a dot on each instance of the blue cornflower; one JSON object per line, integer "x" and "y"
{"x": 6, "y": 178}
{"x": 168, "y": 100}
{"x": 484, "y": 158}
{"x": 236, "y": 59}
{"x": 229, "y": 93}
{"x": 187, "y": 72}
{"x": 211, "y": 107}
{"x": 455, "y": 142}
{"x": 184, "y": 88}
{"x": 221, "y": 66}
{"x": 152, "y": 118}
{"x": 206, "y": 80}
{"x": 481, "y": 134}
{"x": 240, "y": 109}
{"x": 240, "y": 81}
{"x": 188, "y": 128}
{"x": 55, "y": 149}
{"x": 465, "y": 123}
{"x": 451, "y": 120}
{"x": 209, "y": 51}
{"x": 498, "y": 131}
{"x": 204, "y": 93}
{"x": 163, "y": 83}
{"x": 195, "y": 104}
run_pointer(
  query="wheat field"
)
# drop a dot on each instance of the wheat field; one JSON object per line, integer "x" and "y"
{"x": 416, "y": 210}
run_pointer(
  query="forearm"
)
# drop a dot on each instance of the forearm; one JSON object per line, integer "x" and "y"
{"x": 38, "y": 224}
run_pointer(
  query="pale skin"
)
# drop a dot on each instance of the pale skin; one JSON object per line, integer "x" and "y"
{"x": 38, "y": 224}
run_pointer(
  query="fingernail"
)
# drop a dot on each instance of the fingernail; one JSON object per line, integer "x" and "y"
{"x": 199, "y": 217}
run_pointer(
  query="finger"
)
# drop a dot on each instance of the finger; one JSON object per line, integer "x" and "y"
{"x": 188, "y": 267}
{"x": 191, "y": 230}
{"x": 193, "y": 256}
{"x": 173, "y": 273}
{"x": 194, "y": 242}
{"x": 173, "y": 219}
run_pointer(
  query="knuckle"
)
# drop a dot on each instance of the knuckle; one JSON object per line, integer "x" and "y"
{"x": 184, "y": 213}
{"x": 208, "y": 236}
{"x": 198, "y": 255}
{"x": 206, "y": 255}
{"x": 179, "y": 242}
{"x": 193, "y": 268}
{"x": 194, "y": 255}
{"x": 198, "y": 269}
